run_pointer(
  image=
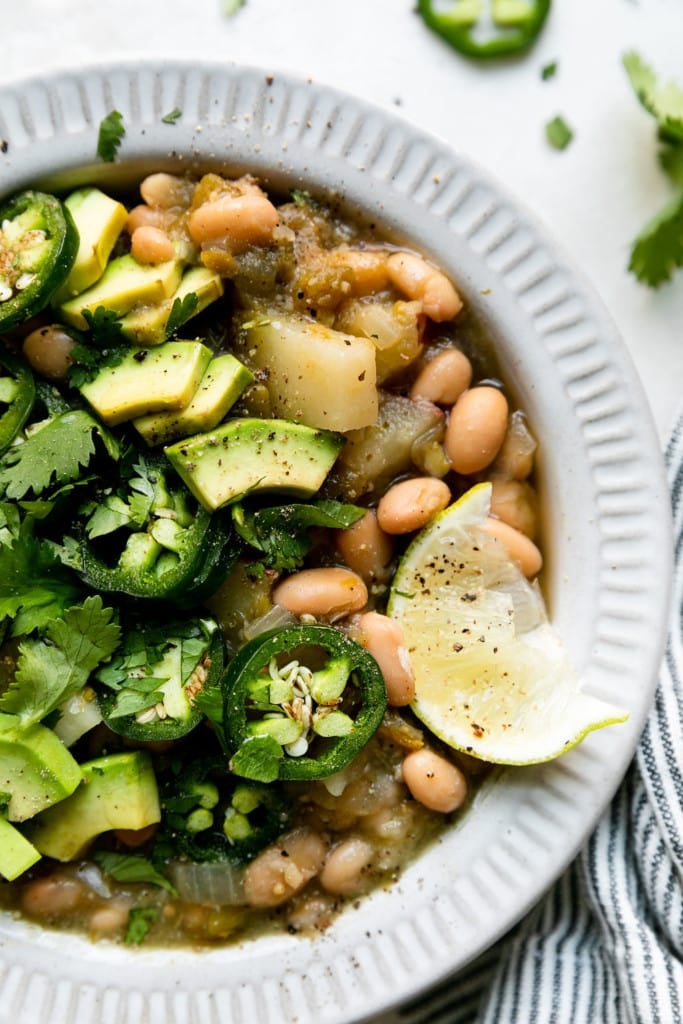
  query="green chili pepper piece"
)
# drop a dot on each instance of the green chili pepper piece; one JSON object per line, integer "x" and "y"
{"x": 175, "y": 686}
{"x": 38, "y": 246}
{"x": 520, "y": 23}
{"x": 350, "y": 726}
{"x": 175, "y": 555}
{"x": 18, "y": 394}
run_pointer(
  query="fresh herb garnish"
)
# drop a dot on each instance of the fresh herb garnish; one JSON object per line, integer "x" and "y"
{"x": 58, "y": 664}
{"x": 110, "y": 135}
{"x": 664, "y": 102}
{"x": 56, "y": 453}
{"x": 129, "y": 867}
{"x": 549, "y": 71}
{"x": 181, "y": 311}
{"x": 172, "y": 116}
{"x": 106, "y": 346}
{"x": 257, "y": 758}
{"x": 140, "y": 920}
{"x": 281, "y": 532}
{"x": 558, "y": 133}
{"x": 34, "y": 587}
{"x": 658, "y": 250}
{"x": 231, "y": 7}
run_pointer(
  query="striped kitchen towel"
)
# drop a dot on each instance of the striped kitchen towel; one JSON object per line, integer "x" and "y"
{"x": 605, "y": 946}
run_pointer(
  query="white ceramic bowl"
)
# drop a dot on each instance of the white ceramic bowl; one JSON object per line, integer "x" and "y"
{"x": 606, "y": 533}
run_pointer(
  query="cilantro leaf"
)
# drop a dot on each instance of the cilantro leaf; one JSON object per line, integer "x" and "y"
{"x": 60, "y": 449}
{"x": 55, "y": 667}
{"x": 548, "y": 71}
{"x": 182, "y": 310}
{"x": 257, "y": 758}
{"x": 172, "y": 116}
{"x": 106, "y": 346}
{"x": 34, "y": 588}
{"x": 671, "y": 161}
{"x": 558, "y": 133}
{"x": 140, "y": 920}
{"x": 658, "y": 249}
{"x": 281, "y": 532}
{"x": 664, "y": 102}
{"x": 129, "y": 867}
{"x": 110, "y": 135}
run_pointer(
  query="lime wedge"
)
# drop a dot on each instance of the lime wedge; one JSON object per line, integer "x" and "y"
{"x": 492, "y": 676}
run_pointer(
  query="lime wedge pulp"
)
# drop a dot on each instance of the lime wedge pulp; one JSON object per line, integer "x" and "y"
{"x": 492, "y": 676}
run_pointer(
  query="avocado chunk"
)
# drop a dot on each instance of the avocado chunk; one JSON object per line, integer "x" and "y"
{"x": 147, "y": 326}
{"x": 222, "y": 384}
{"x": 16, "y": 853}
{"x": 124, "y": 284}
{"x": 36, "y": 769}
{"x": 148, "y": 380}
{"x": 99, "y": 220}
{"x": 247, "y": 455}
{"x": 118, "y": 791}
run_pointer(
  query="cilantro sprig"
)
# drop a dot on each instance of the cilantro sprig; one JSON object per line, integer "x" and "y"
{"x": 657, "y": 252}
{"x": 281, "y": 533}
{"x": 110, "y": 135}
{"x": 55, "y": 453}
{"x": 57, "y": 665}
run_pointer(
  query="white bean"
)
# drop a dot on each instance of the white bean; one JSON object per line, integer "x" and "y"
{"x": 411, "y": 504}
{"x": 384, "y": 639}
{"x": 284, "y": 869}
{"x": 434, "y": 781}
{"x": 520, "y": 549}
{"x": 417, "y": 279}
{"x": 476, "y": 428}
{"x": 48, "y": 351}
{"x": 236, "y": 221}
{"x": 366, "y": 548}
{"x": 444, "y": 378}
{"x": 326, "y": 593}
{"x": 343, "y": 872}
{"x": 151, "y": 245}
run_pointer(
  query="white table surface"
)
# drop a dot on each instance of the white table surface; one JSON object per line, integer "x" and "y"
{"x": 595, "y": 196}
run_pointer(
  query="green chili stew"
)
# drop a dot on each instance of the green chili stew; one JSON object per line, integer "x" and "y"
{"x": 207, "y": 394}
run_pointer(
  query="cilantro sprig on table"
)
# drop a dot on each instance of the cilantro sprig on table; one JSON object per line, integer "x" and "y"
{"x": 110, "y": 135}
{"x": 658, "y": 250}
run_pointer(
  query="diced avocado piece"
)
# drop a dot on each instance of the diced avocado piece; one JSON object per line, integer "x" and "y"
{"x": 124, "y": 284}
{"x": 16, "y": 853}
{"x": 118, "y": 791}
{"x": 148, "y": 380}
{"x": 247, "y": 455}
{"x": 36, "y": 769}
{"x": 148, "y": 326}
{"x": 99, "y": 220}
{"x": 220, "y": 387}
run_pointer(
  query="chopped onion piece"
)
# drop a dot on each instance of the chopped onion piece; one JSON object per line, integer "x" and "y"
{"x": 216, "y": 883}
{"x": 275, "y": 618}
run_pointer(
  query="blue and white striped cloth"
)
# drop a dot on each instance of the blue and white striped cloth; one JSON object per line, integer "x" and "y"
{"x": 605, "y": 946}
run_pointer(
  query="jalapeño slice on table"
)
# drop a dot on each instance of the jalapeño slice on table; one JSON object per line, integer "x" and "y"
{"x": 38, "y": 245}
{"x": 515, "y": 24}
{"x": 300, "y": 703}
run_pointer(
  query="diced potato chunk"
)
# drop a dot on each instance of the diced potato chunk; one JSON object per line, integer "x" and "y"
{"x": 316, "y": 375}
{"x": 395, "y": 329}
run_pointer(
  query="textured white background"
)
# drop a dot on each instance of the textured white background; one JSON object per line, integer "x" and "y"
{"x": 594, "y": 196}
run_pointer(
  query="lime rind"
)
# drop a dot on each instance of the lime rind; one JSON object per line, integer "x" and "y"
{"x": 492, "y": 676}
